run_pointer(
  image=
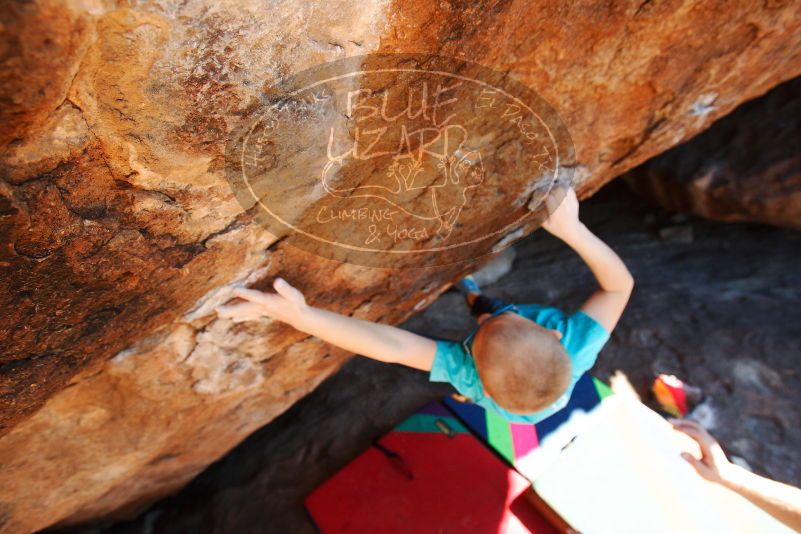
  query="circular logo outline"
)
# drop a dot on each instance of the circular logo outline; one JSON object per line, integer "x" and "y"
{"x": 559, "y": 169}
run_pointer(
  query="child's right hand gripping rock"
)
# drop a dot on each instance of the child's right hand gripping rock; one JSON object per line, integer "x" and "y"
{"x": 287, "y": 304}
{"x": 378, "y": 341}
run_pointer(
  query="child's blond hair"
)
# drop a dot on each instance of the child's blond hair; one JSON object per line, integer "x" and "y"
{"x": 522, "y": 366}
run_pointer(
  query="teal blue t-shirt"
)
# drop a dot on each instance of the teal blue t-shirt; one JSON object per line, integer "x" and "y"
{"x": 582, "y": 338}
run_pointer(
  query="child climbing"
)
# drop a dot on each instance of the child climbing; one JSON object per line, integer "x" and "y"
{"x": 521, "y": 361}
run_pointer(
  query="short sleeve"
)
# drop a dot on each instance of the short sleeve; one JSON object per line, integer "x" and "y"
{"x": 452, "y": 364}
{"x": 583, "y": 338}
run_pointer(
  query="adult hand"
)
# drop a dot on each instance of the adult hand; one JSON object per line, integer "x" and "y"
{"x": 713, "y": 464}
{"x": 782, "y": 501}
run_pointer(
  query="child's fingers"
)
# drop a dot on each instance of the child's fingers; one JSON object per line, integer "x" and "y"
{"x": 553, "y": 200}
{"x": 283, "y": 288}
{"x": 243, "y": 311}
{"x": 226, "y": 311}
{"x": 252, "y": 295}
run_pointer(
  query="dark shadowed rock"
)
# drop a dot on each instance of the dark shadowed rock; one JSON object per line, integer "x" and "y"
{"x": 746, "y": 167}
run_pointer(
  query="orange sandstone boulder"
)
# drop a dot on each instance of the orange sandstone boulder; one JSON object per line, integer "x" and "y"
{"x": 120, "y": 231}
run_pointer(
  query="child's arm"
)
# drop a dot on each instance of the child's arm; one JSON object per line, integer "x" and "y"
{"x": 377, "y": 341}
{"x": 607, "y": 304}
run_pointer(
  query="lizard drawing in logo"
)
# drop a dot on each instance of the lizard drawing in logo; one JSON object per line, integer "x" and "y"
{"x": 429, "y": 175}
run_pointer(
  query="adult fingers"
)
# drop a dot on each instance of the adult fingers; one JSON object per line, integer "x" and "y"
{"x": 691, "y": 425}
{"x": 701, "y": 436}
{"x": 686, "y": 423}
{"x": 694, "y": 432}
{"x": 700, "y": 467}
{"x": 696, "y": 429}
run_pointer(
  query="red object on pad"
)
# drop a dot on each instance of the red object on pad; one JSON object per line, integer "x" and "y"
{"x": 426, "y": 481}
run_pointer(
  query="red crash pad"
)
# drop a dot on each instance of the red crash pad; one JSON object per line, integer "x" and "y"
{"x": 428, "y": 475}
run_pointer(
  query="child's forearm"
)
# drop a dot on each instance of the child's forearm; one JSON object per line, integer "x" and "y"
{"x": 607, "y": 267}
{"x": 607, "y": 304}
{"x": 374, "y": 340}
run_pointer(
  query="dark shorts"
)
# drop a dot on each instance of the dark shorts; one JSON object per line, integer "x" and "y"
{"x": 484, "y": 305}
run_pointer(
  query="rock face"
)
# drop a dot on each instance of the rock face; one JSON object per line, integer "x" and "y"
{"x": 746, "y": 167}
{"x": 120, "y": 232}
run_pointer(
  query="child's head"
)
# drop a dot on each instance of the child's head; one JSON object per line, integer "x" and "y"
{"x": 522, "y": 366}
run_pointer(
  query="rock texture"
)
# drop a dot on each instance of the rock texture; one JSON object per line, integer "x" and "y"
{"x": 687, "y": 316}
{"x": 746, "y": 167}
{"x": 120, "y": 234}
